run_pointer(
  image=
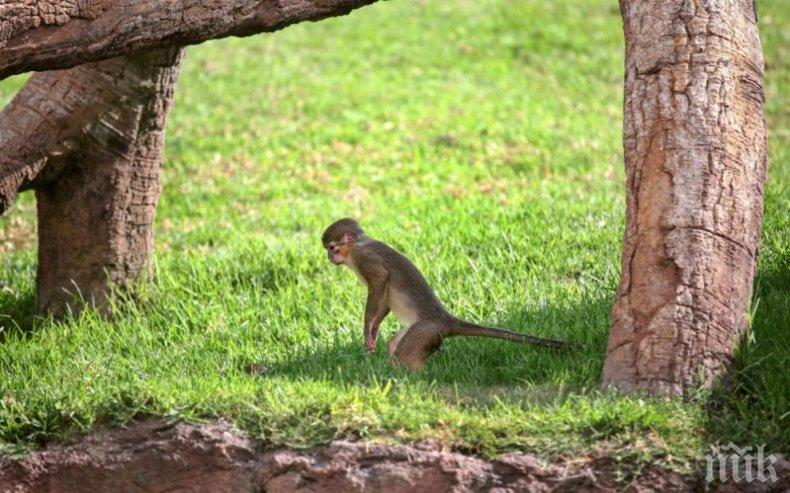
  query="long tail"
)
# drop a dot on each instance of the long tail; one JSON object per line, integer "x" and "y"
{"x": 464, "y": 328}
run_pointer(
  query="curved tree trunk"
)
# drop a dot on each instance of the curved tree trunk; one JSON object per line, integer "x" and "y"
{"x": 694, "y": 139}
{"x": 57, "y": 34}
{"x": 89, "y": 140}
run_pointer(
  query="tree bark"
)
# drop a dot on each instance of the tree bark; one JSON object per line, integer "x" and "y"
{"x": 694, "y": 138}
{"x": 89, "y": 141}
{"x": 57, "y": 34}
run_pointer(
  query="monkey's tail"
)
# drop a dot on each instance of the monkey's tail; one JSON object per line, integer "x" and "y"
{"x": 464, "y": 328}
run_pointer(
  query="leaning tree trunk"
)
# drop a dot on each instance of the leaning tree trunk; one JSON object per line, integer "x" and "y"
{"x": 88, "y": 140}
{"x": 694, "y": 138}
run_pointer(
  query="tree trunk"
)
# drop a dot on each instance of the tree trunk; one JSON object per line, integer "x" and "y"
{"x": 57, "y": 34}
{"x": 694, "y": 138}
{"x": 89, "y": 140}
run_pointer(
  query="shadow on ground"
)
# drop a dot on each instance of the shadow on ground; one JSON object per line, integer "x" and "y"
{"x": 17, "y": 314}
{"x": 752, "y": 406}
{"x": 475, "y": 361}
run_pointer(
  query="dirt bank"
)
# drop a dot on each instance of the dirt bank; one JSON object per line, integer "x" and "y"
{"x": 152, "y": 456}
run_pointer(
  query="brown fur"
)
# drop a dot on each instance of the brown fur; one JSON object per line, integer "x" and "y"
{"x": 395, "y": 284}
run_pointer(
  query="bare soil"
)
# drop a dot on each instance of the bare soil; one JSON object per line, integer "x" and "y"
{"x": 154, "y": 456}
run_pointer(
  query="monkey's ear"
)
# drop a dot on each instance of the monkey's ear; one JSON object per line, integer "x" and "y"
{"x": 349, "y": 237}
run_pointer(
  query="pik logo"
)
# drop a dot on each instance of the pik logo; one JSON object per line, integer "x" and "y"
{"x": 740, "y": 464}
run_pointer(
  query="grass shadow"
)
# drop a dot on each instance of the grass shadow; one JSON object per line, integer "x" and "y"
{"x": 752, "y": 405}
{"x": 18, "y": 314}
{"x": 474, "y": 362}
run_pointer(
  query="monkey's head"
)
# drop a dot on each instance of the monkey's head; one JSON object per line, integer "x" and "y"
{"x": 339, "y": 239}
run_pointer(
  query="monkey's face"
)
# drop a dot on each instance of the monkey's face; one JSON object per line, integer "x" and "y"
{"x": 339, "y": 250}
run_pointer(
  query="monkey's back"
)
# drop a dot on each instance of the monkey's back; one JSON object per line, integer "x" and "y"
{"x": 406, "y": 281}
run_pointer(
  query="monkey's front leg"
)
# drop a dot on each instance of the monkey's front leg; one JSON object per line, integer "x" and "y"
{"x": 375, "y": 310}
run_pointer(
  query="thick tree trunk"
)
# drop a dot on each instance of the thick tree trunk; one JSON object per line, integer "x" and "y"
{"x": 56, "y": 34}
{"x": 694, "y": 138}
{"x": 89, "y": 141}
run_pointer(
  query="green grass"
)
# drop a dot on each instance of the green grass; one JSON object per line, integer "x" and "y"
{"x": 483, "y": 139}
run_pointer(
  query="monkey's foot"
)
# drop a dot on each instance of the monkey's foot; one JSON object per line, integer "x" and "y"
{"x": 370, "y": 339}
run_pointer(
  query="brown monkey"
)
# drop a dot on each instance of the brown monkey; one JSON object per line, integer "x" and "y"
{"x": 394, "y": 283}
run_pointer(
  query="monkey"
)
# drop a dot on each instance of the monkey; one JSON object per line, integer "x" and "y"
{"x": 395, "y": 284}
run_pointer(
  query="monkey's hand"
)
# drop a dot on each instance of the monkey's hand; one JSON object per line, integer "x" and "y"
{"x": 370, "y": 338}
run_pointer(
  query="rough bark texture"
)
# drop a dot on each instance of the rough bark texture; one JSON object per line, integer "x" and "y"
{"x": 56, "y": 34}
{"x": 694, "y": 139}
{"x": 89, "y": 141}
{"x": 153, "y": 457}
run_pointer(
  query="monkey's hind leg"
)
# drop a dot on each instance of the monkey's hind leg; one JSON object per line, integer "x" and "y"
{"x": 392, "y": 344}
{"x": 412, "y": 346}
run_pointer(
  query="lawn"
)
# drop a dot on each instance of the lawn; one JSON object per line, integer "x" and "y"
{"x": 482, "y": 139}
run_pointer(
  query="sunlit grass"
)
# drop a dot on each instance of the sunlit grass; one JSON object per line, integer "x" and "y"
{"x": 482, "y": 139}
